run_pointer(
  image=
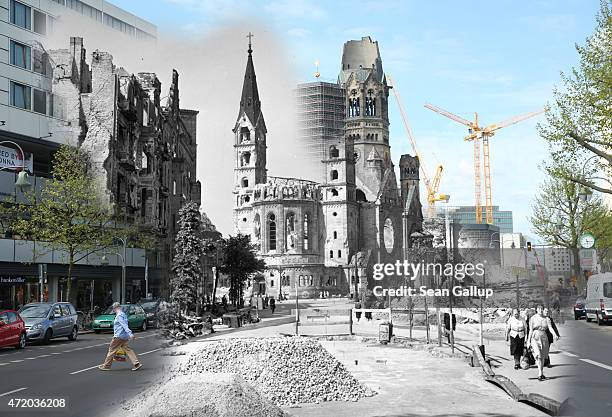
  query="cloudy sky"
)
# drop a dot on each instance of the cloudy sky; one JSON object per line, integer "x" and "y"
{"x": 498, "y": 58}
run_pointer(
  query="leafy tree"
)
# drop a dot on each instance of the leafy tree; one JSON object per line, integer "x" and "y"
{"x": 68, "y": 214}
{"x": 579, "y": 122}
{"x": 561, "y": 216}
{"x": 187, "y": 263}
{"x": 239, "y": 263}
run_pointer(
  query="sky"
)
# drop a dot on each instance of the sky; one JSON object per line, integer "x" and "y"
{"x": 499, "y": 59}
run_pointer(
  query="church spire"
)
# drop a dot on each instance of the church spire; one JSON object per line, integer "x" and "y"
{"x": 249, "y": 102}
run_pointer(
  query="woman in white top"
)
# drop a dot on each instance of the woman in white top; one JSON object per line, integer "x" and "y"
{"x": 515, "y": 331}
{"x": 538, "y": 340}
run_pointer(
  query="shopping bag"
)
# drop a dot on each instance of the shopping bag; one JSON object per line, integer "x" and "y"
{"x": 119, "y": 355}
{"x": 525, "y": 360}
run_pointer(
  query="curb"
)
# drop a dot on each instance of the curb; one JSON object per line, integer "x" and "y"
{"x": 541, "y": 402}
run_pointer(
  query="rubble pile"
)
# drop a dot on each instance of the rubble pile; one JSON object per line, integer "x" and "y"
{"x": 205, "y": 395}
{"x": 287, "y": 371}
{"x": 179, "y": 327}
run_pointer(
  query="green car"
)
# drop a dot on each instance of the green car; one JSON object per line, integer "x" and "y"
{"x": 137, "y": 318}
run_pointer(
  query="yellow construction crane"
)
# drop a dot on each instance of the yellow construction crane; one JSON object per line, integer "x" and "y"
{"x": 475, "y": 134}
{"x": 431, "y": 186}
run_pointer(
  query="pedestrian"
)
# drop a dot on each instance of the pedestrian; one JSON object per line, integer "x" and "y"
{"x": 121, "y": 337}
{"x": 549, "y": 335}
{"x": 272, "y": 302}
{"x": 224, "y": 302}
{"x": 537, "y": 339}
{"x": 266, "y": 301}
{"x": 515, "y": 332}
{"x": 447, "y": 324}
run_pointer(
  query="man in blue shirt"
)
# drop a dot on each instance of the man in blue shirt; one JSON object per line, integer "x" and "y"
{"x": 121, "y": 337}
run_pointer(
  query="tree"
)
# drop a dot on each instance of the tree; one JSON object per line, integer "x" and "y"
{"x": 239, "y": 262}
{"x": 187, "y": 263}
{"x": 561, "y": 216}
{"x": 579, "y": 122}
{"x": 68, "y": 214}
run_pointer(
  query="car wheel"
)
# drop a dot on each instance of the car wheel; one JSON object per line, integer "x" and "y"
{"x": 576, "y": 316}
{"x": 144, "y": 326}
{"x": 96, "y": 331}
{"x": 22, "y": 341}
{"x": 74, "y": 333}
{"x": 48, "y": 335}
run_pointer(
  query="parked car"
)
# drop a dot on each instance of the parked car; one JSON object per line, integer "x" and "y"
{"x": 46, "y": 321}
{"x": 599, "y": 298}
{"x": 152, "y": 309}
{"x": 579, "y": 308}
{"x": 137, "y": 319}
{"x": 12, "y": 329}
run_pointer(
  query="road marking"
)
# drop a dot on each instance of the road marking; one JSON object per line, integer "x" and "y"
{"x": 17, "y": 360}
{"x": 569, "y": 354}
{"x": 95, "y": 366}
{"x": 56, "y": 353}
{"x": 13, "y": 391}
{"x": 601, "y": 365}
{"x": 42, "y": 356}
{"x": 83, "y": 370}
{"x": 2, "y": 364}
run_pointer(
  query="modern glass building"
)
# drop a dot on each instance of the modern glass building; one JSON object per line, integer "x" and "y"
{"x": 30, "y": 113}
{"x": 467, "y": 215}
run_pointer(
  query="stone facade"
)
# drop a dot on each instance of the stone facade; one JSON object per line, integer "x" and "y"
{"x": 143, "y": 152}
{"x": 322, "y": 238}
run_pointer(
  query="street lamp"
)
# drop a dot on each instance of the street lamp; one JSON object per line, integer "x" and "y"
{"x": 22, "y": 177}
{"x": 104, "y": 262}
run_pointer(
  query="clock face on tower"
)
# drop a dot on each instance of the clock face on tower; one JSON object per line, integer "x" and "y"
{"x": 587, "y": 240}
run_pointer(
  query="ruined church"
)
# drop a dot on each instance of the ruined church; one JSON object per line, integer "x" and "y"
{"x": 323, "y": 238}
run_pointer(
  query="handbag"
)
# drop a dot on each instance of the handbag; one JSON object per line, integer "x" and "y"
{"x": 525, "y": 360}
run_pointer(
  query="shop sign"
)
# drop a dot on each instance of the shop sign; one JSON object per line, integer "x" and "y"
{"x": 12, "y": 159}
{"x": 12, "y": 280}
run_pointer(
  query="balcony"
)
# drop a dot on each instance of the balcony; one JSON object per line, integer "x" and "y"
{"x": 126, "y": 160}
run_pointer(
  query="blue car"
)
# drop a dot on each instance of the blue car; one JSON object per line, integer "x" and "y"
{"x": 46, "y": 321}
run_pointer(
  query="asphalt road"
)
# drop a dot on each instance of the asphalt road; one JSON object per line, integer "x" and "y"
{"x": 67, "y": 370}
{"x": 590, "y": 390}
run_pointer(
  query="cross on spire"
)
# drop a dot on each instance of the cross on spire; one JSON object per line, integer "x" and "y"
{"x": 250, "y": 36}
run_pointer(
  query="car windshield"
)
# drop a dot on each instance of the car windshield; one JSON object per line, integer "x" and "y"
{"x": 35, "y": 311}
{"x": 110, "y": 311}
{"x": 149, "y": 307}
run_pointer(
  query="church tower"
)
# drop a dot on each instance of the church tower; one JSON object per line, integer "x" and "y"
{"x": 367, "y": 117}
{"x": 249, "y": 148}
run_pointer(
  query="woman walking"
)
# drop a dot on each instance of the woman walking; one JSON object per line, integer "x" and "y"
{"x": 537, "y": 339}
{"x": 516, "y": 329}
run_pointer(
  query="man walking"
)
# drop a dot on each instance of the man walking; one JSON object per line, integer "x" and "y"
{"x": 121, "y": 337}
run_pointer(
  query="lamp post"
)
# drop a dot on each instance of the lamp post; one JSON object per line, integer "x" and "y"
{"x": 104, "y": 262}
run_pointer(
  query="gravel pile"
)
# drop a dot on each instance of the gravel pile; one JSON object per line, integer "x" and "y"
{"x": 287, "y": 371}
{"x": 202, "y": 395}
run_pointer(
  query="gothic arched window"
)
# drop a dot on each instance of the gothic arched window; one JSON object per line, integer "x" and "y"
{"x": 333, "y": 152}
{"x": 245, "y": 182}
{"x": 334, "y": 174}
{"x": 306, "y": 230}
{"x": 291, "y": 235}
{"x": 272, "y": 232}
